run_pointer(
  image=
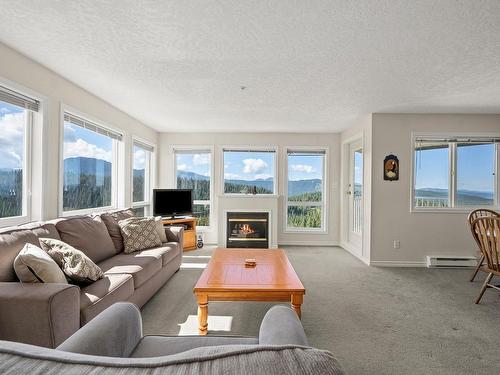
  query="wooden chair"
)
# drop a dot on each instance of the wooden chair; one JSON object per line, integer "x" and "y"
{"x": 487, "y": 229}
{"x": 473, "y": 215}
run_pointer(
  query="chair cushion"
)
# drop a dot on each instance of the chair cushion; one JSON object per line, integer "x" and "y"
{"x": 161, "y": 229}
{"x": 113, "y": 287}
{"x": 12, "y": 241}
{"x": 141, "y": 266}
{"x": 166, "y": 252}
{"x": 78, "y": 267}
{"x": 88, "y": 235}
{"x": 139, "y": 233}
{"x": 33, "y": 265}
{"x": 111, "y": 220}
{"x": 158, "y": 346}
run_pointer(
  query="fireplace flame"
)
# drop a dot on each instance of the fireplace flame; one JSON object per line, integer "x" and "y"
{"x": 246, "y": 229}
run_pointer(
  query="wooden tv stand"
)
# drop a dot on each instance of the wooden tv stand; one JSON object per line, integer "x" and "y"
{"x": 189, "y": 224}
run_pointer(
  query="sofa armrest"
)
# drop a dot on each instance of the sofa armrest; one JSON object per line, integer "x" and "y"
{"x": 38, "y": 314}
{"x": 115, "y": 332}
{"x": 281, "y": 326}
{"x": 175, "y": 234}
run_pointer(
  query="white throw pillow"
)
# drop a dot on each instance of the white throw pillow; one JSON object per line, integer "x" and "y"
{"x": 33, "y": 265}
{"x": 161, "y": 229}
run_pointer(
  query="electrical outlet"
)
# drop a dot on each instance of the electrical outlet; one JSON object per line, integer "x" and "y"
{"x": 396, "y": 244}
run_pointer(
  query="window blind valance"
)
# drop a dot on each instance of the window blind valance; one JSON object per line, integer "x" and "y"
{"x": 248, "y": 150}
{"x": 144, "y": 146}
{"x": 428, "y": 143}
{"x": 307, "y": 153}
{"x": 17, "y": 99}
{"x": 92, "y": 126}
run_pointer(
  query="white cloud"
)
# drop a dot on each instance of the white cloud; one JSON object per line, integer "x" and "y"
{"x": 4, "y": 110}
{"x": 11, "y": 140}
{"x": 69, "y": 133}
{"x": 139, "y": 159}
{"x": 254, "y": 165}
{"x": 201, "y": 159}
{"x": 81, "y": 148}
{"x": 182, "y": 167}
{"x": 302, "y": 168}
{"x": 232, "y": 176}
{"x": 262, "y": 176}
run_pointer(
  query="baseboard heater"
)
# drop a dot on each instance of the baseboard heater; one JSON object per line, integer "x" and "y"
{"x": 451, "y": 262}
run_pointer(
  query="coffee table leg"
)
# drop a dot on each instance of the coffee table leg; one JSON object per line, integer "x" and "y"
{"x": 202, "y": 314}
{"x": 297, "y": 300}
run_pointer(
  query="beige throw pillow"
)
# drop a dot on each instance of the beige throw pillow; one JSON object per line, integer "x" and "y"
{"x": 33, "y": 265}
{"x": 78, "y": 267}
{"x": 139, "y": 233}
{"x": 161, "y": 229}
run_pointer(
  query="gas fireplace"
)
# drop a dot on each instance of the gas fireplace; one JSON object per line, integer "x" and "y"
{"x": 247, "y": 229}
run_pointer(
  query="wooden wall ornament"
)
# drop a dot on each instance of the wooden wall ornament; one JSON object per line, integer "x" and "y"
{"x": 391, "y": 168}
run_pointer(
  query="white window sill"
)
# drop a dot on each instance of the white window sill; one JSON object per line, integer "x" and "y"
{"x": 306, "y": 230}
{"x": 87, "y": 211}
{"x": 450, "y": 210}
{"x": 249, "y": 196}
{"x": 13, "y": 221}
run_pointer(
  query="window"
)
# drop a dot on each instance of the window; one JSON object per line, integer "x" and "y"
{"x": 305, "y": 190}
{"x": 141, "y": 178}
{"x": 249, "y": 172}
{"x": 16, "y": 114}
{"x": 193, "y": 171}
{"x": 455, "y": 173}
{"x": 89, "y": 165}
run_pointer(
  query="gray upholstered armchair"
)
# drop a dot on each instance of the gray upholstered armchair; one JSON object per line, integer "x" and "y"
{"x": 113, "y": 341}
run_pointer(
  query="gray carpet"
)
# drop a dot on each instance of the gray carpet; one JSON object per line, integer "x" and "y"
{"x": 375, "y": 320}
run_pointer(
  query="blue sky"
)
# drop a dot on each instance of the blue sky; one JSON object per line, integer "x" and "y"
{"x": 305, "y": 167}
{"x": 12, "y": 123}
{"x": 248, "y": 165}
{"x": 474, "y": 171}
{"x": 198, "y": 163}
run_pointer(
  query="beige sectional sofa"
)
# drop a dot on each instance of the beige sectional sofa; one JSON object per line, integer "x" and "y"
{"x": 46, "y": 314}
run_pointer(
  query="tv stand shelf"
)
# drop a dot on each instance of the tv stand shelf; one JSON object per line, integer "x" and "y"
{"x": 189, "y": 224}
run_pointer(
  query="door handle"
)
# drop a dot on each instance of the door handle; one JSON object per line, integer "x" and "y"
{"x": 349, "y": 193}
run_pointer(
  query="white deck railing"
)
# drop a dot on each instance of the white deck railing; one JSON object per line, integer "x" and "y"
{"x": 431, "y": 202}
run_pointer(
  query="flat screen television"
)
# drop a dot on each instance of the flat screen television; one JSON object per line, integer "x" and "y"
{"x": 172, "y": 202}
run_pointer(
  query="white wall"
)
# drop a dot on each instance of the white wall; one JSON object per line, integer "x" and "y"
{"x": 281, "y": 140}
{"x": 420, "y": 233}
{"x": 362, "y": 130}
{"x": 18, "y": 70}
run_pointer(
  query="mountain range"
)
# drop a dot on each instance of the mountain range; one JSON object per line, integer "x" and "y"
{"x": 294, "y": 187}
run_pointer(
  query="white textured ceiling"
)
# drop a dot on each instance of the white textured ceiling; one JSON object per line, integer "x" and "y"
{"x": 307, "y": 65}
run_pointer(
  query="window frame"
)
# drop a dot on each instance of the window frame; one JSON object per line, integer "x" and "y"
{"x": 324, "y": 202}
{"x": 26, "y": 213}
{"x": 452, "y": 175}
{"x": 197, "y": 149}
{"x": 114, "y": 165}
{"x": 242, "y": 148}
{"x": 148, "y": 175}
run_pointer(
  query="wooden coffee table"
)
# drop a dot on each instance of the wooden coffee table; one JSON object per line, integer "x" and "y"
{"x": 227, "y": 279}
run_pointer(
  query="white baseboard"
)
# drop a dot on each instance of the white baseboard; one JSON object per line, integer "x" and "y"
{"x": 353, "y": 251}
{"x": 397, "y": 263}
{"x": 309, "y": 243}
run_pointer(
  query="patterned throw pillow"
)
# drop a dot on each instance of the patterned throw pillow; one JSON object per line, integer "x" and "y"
{"x": 78, "y": 267}
{"x": 139, "y": 233}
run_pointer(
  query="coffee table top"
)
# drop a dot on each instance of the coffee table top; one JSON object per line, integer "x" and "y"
{"x": 226, "y": 271}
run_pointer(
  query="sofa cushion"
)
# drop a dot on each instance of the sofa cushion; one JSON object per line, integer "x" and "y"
{"x": 33, "y": 265}
{"x": 111, "y": 220}
{"x": 78, "y": 267}
{"x": 142, "y": 267}
{"x": 161, "y": 229}
{"x": 166, "y": 252}
{"x": 88, "y": 235}
{"x": 12, "y": 241}
{"x": 159, "y": 346}
{"x": 114, "y": 287}
{"x": 139, "y": 233}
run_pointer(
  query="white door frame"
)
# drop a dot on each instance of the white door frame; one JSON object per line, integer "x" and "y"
{"x": 354, "y": 247}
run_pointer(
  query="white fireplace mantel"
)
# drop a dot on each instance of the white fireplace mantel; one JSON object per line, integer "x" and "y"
{"x": 235, "y": 203}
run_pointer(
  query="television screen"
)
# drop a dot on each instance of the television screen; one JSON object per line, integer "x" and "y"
{"x": 171, "y": 202}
